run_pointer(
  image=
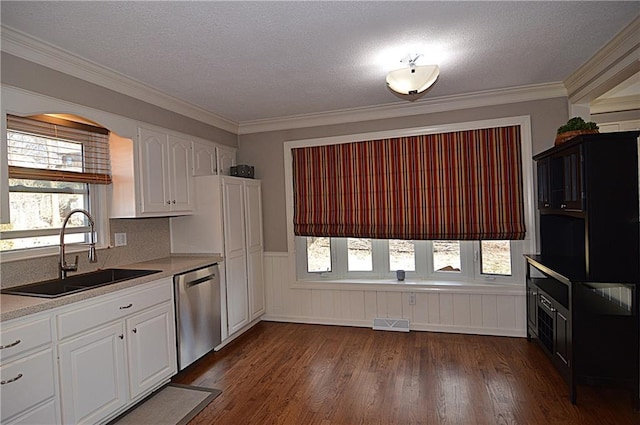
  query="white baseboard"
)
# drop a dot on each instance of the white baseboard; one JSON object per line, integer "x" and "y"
{"x": 413, "y": 327}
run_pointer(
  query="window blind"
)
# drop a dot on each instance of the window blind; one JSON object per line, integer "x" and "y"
{"x": 462, "y": 186}
{"x": 49, "y": 148}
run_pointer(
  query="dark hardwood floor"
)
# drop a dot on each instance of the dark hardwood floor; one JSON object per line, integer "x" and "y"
{"x": 280, "y": 373}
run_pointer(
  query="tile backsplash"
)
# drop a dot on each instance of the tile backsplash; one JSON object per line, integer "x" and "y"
{"x": 147, "y": 239}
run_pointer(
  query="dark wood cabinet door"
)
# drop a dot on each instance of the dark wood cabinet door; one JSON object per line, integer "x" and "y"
{"x": 532, "y": 308}
{"x": 572, "y": 189}
{"x": 560, "y": 182}
{"x": 544, "y": 188}
{"x": 561, "y": 337}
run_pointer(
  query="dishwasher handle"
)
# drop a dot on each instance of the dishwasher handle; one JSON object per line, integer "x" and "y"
{"x": 199, "y": 281}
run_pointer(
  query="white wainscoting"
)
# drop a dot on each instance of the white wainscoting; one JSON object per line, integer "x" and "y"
{"x": 440, "y": 310}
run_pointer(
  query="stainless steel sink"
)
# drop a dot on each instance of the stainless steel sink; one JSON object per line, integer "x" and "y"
{"x": 58, "y": 287}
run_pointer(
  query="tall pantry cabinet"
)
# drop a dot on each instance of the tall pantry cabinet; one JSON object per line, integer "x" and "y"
{"x": 241, "y": 200}
{"x": 228, "y": 220}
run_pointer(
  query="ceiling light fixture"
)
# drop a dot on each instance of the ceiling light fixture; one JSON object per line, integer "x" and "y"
{"x": 412, "y": 82}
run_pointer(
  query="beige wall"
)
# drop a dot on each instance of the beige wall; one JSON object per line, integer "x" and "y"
{"x": 265, "y": 150}
{"x": 30, "y": 76}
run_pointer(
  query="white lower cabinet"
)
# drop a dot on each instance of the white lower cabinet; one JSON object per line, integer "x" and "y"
{"x": 93, "y": 375}
{"x": 27, "y": 373}
{"x": 27, "y": 382}
{"x": 256, "y": 282}
{"x": 151, "y": 348}
{"x": 45, "y": 414}
{"x": 237, "y": 293}
{"x": 126, "y": 350}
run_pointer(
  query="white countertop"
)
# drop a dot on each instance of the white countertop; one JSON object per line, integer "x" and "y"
{"x": 14, "y": 306}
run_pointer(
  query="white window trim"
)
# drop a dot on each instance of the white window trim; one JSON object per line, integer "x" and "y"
{"x": 527, "y": 245}
{"x": 469, "y": 259}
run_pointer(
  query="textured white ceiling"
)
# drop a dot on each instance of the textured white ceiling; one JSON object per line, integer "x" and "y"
{"x": 258, "y": 60}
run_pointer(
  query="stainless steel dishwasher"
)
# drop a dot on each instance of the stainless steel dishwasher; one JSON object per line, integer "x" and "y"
{"x": 197, "y": 295}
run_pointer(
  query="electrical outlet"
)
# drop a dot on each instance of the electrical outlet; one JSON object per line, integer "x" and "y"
{"x": 412, "y": 298}
{"x": 120, "y": 239}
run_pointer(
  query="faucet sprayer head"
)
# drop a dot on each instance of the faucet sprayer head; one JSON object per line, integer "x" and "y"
{"x": 93, "y": 257}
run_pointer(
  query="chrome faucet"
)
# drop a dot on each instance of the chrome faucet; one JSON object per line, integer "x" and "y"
{"x": 63, "y": 267}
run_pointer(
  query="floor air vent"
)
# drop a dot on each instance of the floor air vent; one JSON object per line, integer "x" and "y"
{"x": 398, "y": 325}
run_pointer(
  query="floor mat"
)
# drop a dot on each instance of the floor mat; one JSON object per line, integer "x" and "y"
{"x": 173, "y": 404}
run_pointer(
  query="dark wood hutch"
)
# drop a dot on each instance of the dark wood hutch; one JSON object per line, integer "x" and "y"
{"x": 583, "y": 288}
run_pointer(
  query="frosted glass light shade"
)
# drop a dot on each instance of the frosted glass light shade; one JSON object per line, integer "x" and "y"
{"x": 413, "y": 80}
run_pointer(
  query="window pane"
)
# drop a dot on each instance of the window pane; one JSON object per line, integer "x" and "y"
{"x": 318, "y": 254}
{"x": 402, "y": 255}
{"x": 36, "y": 204}
{"x": 446, "y": 256}
{"x": 33, "y": 151}
{"x": 33, "y": 208}
{"x": 495, "y": 257}
{"x": 359, "y": 253}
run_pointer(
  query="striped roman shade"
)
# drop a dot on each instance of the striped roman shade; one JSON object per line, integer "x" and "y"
{"x": 464, "y": 185}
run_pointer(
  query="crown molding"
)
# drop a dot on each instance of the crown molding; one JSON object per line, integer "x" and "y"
{"x": 615, "y": 104}
{"x": 614, "y": 62}
{"x": 394, "y": 110}
{"x": 35, "y": 50}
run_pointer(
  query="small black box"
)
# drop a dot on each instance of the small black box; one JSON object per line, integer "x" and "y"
{"x": 242, "y": 171}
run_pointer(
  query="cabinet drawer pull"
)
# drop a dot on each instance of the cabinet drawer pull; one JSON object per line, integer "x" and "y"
{"x": 546, "y": 303}
{"x": 8, "y": 381}
{"x": 124, "y": 307}
{"x": 13, "y": 344}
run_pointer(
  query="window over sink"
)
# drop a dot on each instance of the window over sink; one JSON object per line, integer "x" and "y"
{"x": 55, "y": 165}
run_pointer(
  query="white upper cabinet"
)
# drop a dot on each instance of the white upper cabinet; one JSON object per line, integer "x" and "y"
{"x": 166, "y": 183}
{"x": 180, "y": 179}
{"x": 226, "y": 157}
{"x": 204, "y": 159}
{"x": 210, "y": 159}
{"x": 152, "y": 177}
{"x": 154, "y": 159}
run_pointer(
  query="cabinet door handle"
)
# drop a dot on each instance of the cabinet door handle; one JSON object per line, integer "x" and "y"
{"x": 8, "y": 381}
{"x": 124, "y": 307}
{"x": 13, "y": 344}
{"x": 173, "y": 202}
{"x": 168, "y": 202}
{"x": 121, "y": 336}
{"x": 134, "y": 330}
{"x": 563, "y": 206}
